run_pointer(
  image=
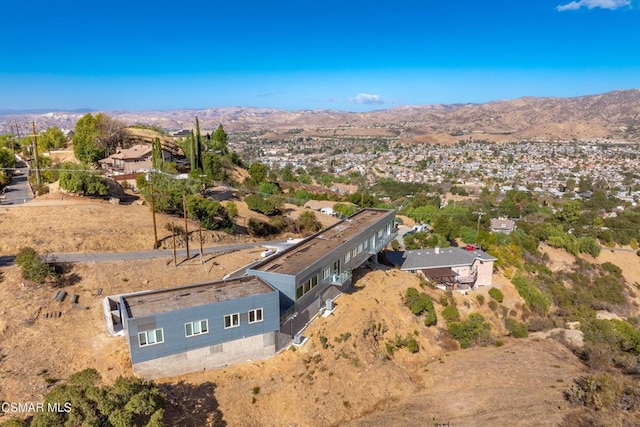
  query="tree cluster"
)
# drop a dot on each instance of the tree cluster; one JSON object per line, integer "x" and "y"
{"x": 129, "y": 402}
{"x": 98, "y": 136}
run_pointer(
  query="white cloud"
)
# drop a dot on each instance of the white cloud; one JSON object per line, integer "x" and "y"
{"x": 592, "y": 4}
{"x": 366, "y": 98}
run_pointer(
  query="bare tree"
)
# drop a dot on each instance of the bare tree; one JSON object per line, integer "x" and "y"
{"x": 111, "y": 134}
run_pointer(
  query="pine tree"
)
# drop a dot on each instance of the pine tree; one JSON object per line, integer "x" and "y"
{"x": 157, "y": 154}
{"x": 198, "y": 145}
{"x": 192, "y": 151}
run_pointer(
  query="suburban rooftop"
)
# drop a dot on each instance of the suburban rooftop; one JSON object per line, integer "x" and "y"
{"x": 147, "y": 303}
{"x": 297, "y": 258}
{"x": 442, "y": 257}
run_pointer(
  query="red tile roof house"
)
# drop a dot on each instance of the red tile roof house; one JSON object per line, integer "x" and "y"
{"x": 451, "y": 268}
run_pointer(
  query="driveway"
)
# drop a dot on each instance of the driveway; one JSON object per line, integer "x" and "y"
{"x": 18, "y": 191}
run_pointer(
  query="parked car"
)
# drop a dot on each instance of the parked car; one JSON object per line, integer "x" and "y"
{"x": 421, "y": 228}
{"x": 472, "y": 247}
{"x": 267, "y": 252}
{"x": 328, "y": 211}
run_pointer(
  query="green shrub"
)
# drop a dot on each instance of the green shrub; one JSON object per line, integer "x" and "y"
{"x": 517, "y": 329}
{"x": 420, "y": 303}
{"x": 480, "y": 299}
{"x": 257, "y": 203}
{"x": 474, "y": 330}
{"x": 409, "y": 343}
{"x": 444, "y": 300}
{"x": 32, "y": 266}
{"x": 538, "y": 301}
{"x": 493, "y": 305}
{"x": 451, "y": 313}
{"x": 324, "y": 342}
{"x": 496, "y": 294}
{"x": 129, "y": 401}
{"x": 612, "y": 268}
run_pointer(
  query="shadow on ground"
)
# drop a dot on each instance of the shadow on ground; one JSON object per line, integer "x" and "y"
{"x": 193, "y": 405}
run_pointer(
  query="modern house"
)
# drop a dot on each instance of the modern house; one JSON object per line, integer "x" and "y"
{"x": 451, "y": 268}
{"x": 202, "y": 326}
{"x": 320, "y": 267}
{"x": 500, "y": 225}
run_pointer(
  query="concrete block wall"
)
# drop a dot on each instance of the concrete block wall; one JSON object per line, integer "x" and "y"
{"x": 256, "y": 347}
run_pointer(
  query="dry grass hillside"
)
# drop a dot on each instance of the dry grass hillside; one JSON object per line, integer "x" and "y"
{"x": 343, "y": 374}
{"x": 607, "y": 115}
{"x": 352, "y": 379}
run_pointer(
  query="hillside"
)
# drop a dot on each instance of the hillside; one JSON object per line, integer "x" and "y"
{"x": 351, "y": 379}
{"x": 609, "y": 115}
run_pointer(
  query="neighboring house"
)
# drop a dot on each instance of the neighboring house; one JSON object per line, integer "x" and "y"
{"x": 195, "y": 327}
{"x": 451, "y": 268}
{"x": 128, "y": 160}
{"x": 182, "y": 133}
{"x": 499, "y": 225}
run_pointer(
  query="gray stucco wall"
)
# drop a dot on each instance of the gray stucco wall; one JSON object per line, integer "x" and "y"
{"x": 255, "y": 347}
{"x": 173, "y": 325}
{"x": 287, "y": 284}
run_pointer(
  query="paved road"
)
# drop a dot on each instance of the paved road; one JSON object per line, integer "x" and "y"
{"x": 165, "y": 253}
{"x": 18, "y": 191}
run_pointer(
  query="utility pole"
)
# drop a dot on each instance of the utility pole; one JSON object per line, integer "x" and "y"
{"x": 480, "y": 214}
{"x": 153, "y": 211}
{"x": 35, "y": 155}
{"x": 173, "y": 235}
{"x": 186, "y": 226}
{"x": 201, "y": 250}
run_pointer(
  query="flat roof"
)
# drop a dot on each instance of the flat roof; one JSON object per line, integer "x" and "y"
{"x": 147, "y": 303}
{"x": 296, "y": 259}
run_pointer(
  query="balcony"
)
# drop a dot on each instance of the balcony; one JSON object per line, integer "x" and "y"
{"x": 341, "y": 279}
{"x": 382, "y": 243}
{"x": 467, "y": 279}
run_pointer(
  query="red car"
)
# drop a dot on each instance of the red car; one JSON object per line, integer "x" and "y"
{"x": 471, "y": 247}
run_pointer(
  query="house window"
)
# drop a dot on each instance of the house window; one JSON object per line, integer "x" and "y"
{"x": 232, "y": 320}
{"x": 347, "y": 257}
{"x": 306, "y": 287}
{"x": 155, "y": 336}
{"x": 326, "y": 273}
{"x": 255, "y": 315}
{"x": 196, "y": 328}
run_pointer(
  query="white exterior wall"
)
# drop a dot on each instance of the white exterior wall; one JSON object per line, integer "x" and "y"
{"x": 485, "y": 273}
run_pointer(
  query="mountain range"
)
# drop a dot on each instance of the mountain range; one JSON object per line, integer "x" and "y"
{"x": 612, "y": 115}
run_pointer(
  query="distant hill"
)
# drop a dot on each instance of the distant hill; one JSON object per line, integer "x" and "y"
{"x": 614, "y": 115}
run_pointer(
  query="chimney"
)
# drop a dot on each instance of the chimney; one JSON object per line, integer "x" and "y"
{"x": 436, "y": 250}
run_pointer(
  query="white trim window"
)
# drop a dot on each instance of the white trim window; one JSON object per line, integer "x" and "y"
{"x": 196, "y": 328}
{"x": 326, "y": 273}
{"x": 154, "y": 336}
{"x": 232, "y": 320}
{"x": 255, "y": 316}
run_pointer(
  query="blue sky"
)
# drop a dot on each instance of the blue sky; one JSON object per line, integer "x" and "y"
{"x": 353, "y": 55}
